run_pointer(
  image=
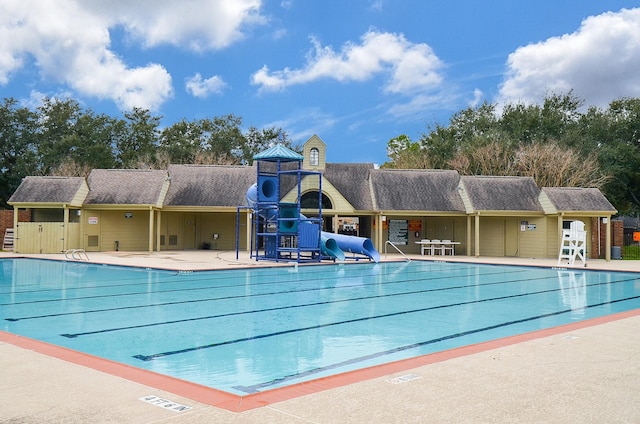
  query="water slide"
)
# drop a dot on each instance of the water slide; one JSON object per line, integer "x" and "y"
{"x": 332, "y": 245}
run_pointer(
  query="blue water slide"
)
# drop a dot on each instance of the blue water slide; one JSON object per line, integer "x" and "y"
{"x": 332, "y": 244}
{"x": 330, "y": 247}
{"x": 354, "y": 244}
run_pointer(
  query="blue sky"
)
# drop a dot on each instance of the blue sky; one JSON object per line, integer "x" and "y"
{"x": 355, "y": 72}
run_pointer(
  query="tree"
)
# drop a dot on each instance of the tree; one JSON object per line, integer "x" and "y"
{"x": 406, "y": 154}
{"x": 257, "y": 140}
{"x": 72, "y": 135}
{"x": 620, "y": 154}
{"x": 136, "y": 138}
{"x": 549, "y": 142}
{"x": 18, "y": 146}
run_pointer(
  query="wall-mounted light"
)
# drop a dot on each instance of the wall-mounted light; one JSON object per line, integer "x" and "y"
{"x": 215, "y": 236}
{"x": 128, "y": 215}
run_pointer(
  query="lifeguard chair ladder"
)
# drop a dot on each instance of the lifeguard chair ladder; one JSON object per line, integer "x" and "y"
{"x": 573, "y": 243}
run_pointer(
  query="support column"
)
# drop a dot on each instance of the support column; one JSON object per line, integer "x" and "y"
{"x": 151, "y": 226}
{"x": 65, "y": 239}
{"x": 469, "y": 222}
{"x": 158, "y": 230}
{"x": 607, "y": 253}
{"x": 16, "y": 235}
{"x": 249, "y": 229}
{"x": 476, "y": 241}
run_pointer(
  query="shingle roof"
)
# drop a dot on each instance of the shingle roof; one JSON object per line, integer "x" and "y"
{"x": 352, "y": 181}
{"x": 417, "y": 190}
{"x": 209, "y": 185}
{"x": 47, "y": 190}
{"x": 574, "y": 199}
{"x": 125, "y": 186}
{"x": 502, "y": 193}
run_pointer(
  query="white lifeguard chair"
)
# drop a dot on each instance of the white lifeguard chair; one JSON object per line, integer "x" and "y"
{"x": 573, "y": 244}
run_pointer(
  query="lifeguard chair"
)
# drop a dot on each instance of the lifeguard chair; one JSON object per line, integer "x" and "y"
{"x": 573, "y": 244}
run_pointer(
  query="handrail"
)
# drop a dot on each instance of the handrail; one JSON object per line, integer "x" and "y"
{"x": 395, "y": 247}
{"x": 76, "y": 254}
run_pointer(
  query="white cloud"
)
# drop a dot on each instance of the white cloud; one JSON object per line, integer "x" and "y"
{"x": 198, "y": 24}
{"x": 69, "y": 41}
{"x": 477, "y": 97}
{"x": 198, "y": 87}
{"x": 599, "y": 62}
{"x": 411, "y": 67}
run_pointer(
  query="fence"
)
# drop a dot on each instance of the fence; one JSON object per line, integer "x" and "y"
{"x": 631, "y": 245}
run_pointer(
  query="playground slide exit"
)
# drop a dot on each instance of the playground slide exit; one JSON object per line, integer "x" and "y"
{"x": 332, "y": 244}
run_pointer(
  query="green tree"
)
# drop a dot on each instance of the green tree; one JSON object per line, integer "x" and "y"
{"x": 257, "y": 140}
{"x": 619, "y": 145}
{"x": 72, "y": 138}
{"x": 136, "y": 139}
{"x": 18, "y": 146}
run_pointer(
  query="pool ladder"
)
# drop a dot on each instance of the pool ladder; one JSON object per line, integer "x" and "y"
{"x": 76, "y": 254}
{"x": 395, "y": 247}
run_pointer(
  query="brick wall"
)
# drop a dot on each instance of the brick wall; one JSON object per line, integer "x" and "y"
{"x": 6, "y": 219}
{"x": 617, "y": 237}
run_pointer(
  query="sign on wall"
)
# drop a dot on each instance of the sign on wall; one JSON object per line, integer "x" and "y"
{"x": 399, "y": 231}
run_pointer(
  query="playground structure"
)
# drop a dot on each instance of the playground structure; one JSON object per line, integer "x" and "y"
{"x": 279, "y": 231}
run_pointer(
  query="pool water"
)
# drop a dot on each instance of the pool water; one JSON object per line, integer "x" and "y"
{"x": 246, "y": 331}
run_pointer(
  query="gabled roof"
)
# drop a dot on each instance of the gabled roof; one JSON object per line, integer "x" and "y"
{"x": 352, "y": 181}
{"x": 209, "y": 185}
{"x": 416, "y": 190}
{"x": 127, "y": 187}
{"x": 489, "y": 193}
{"x": 56, "y": 190}
{"x": 575, "y": 199}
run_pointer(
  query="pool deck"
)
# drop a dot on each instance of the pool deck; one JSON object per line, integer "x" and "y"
{"x": 586, "y": 373}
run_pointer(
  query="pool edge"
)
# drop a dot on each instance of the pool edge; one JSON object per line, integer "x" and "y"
{"x": 236, "y": 403}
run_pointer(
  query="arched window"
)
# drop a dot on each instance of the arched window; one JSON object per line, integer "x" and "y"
{"x": 309, "y": 200}
{"x": 314, "y": 157}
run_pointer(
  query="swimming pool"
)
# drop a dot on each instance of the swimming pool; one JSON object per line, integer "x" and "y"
{"x": 248, "y": 331}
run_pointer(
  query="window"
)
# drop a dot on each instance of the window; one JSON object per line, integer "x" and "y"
{"x": 309, "y": 200}
{"x": 314, "y": 157}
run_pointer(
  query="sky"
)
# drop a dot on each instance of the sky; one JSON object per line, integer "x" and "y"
{"x": 355, "y": 72}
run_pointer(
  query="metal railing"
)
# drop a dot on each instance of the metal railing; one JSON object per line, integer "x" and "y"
{"x": 395, "y": 247}
{"x": 76, "y": 254}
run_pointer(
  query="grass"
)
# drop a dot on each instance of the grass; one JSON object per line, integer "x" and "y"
{"x": 631, "y": 252}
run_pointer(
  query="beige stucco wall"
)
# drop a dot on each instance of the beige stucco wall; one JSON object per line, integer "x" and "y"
{"x": 503, "y": 236}
{"x": 190, "y": 230}
{"x": 132, "y": 233}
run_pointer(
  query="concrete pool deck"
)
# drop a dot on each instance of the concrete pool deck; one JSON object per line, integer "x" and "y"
{"x": 571, "y": 374}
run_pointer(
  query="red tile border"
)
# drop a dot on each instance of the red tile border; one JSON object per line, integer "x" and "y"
{"x": 235, "y": 403}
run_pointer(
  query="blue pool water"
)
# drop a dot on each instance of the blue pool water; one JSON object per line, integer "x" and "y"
{"x": 245, "y": 331}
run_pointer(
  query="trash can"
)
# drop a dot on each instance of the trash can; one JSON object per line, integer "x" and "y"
{"x": 616, "y": 252}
